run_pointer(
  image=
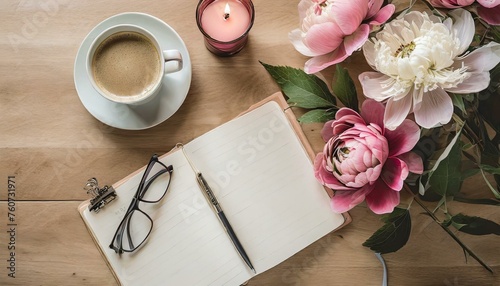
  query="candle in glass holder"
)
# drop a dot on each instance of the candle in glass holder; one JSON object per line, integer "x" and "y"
{"x": 225, "y": 24}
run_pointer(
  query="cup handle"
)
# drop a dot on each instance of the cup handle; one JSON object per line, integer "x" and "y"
{"x": 172, "y": 56}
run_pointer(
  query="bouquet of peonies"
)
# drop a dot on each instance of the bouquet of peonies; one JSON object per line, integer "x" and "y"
{"x": 435, "y": 76}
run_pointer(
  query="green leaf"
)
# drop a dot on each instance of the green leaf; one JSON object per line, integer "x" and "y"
{"x": 317, "y": 115}
{"x": 303, "y": 90}
{"x": 489, "y": 99}
{"x": 343, "y": 87}
{"x": 393, "y": 235}
{"x": 473, "y": 225}
{"x": 490, "y": 202}
{"x": 495, "y": 31}
{"x": 458, "y": 101}
{"x": 496, "y": 192}
{"x": 468, "y": 146}
{"x": 446, "y": 151}
{"x": 446, "y": 180}
{"x": 469, "y": 97}
{"x": 490, "y": 169}
{"x": 469, "y": 173}
{"x": 490, "y": 154}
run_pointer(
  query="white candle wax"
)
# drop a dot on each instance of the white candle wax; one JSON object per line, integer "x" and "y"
{"x": 225, "y": 27}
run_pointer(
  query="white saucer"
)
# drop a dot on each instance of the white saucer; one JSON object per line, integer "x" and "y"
{"x": 170, "y": 97}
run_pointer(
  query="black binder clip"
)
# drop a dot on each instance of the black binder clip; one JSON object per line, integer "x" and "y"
{"x": 100, "y": 196}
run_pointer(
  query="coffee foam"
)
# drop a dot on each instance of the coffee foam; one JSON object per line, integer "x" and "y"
{"x": 126, "y": 64}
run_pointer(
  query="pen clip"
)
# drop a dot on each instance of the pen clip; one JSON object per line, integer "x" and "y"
{"x": 208, "y": 191}
{"x": 100, "y": 196}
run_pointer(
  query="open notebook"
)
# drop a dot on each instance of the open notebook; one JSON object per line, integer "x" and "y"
{"x": 262, "y": 175}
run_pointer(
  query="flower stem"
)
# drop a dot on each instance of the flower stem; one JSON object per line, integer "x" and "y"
{"x": 450, "y": 233}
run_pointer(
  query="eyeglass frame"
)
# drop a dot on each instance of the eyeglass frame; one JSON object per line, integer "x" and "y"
{"x": 142, "y": 188}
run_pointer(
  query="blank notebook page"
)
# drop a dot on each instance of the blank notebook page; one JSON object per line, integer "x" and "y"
{"x": 265, "y": 183}
{"x": 187, "y": 246}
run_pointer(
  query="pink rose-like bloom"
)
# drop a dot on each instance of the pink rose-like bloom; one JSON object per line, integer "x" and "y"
{"x": 488, "y": 10}
{"x": 331, "y": 30}
{"x": 364, "y": 160}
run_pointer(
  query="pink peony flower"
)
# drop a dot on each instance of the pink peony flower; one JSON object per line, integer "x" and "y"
{"x": 451, "y": 4}
{"x": 364, "y": 160}
{"x": 331, "y": 30}
{"x": 420, "y": 58}
{"x": 488, "y": 10}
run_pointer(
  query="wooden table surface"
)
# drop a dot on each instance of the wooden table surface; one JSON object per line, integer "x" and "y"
{"x": 51, "y": 144}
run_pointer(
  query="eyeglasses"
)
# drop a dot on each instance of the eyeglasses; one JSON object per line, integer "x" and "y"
{"x": 136, "y": 225}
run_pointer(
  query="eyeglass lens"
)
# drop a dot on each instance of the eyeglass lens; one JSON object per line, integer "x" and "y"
{"x": 136, "y": 226}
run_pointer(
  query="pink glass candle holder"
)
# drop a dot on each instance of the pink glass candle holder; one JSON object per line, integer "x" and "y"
{"x": 225, "y": 24}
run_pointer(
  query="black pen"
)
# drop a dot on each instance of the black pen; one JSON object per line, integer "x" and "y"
{"x": 204, "y": 185}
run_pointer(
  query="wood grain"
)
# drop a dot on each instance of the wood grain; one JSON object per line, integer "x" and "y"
{"x": 52, "y": 145}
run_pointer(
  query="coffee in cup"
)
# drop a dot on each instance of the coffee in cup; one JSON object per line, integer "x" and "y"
{"x": 126, "y": 64}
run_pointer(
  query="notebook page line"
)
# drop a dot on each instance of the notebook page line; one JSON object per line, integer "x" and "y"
{"x": 294, "y": 163}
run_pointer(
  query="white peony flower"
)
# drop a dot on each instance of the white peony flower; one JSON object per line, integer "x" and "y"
{"x": 419, "y": 58}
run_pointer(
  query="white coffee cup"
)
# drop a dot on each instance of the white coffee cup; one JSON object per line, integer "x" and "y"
{"x": 126, "y": 64}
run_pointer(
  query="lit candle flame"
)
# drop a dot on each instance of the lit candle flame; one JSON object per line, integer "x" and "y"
{"x": 227, "y": 11}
